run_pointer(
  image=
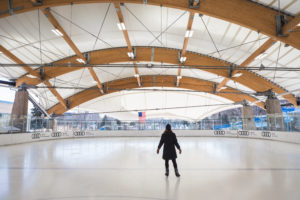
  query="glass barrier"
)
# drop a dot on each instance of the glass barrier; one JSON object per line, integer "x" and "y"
{"x": 278, "y": 122}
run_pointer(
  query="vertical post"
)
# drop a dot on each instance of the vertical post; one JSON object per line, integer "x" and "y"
{"x": 12, "y": 122}
{"x": 273, "y": 108}
{"x": 28, "y": 124}
{"x": 221, "y": 122}
{"x": 19, "y": 111}
{"x": 261, "y": 123}
{"x": 35, "y": 124}
{"x": 247, "y": 118}
{"x": 282, "y": 123}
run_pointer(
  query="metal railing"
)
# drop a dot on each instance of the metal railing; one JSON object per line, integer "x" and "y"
{"x": 279, "y": 122}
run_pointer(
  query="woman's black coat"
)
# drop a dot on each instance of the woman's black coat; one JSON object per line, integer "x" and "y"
{"x": 168, "y": 138}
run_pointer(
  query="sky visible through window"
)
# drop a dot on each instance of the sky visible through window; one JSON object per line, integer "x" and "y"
{"x": 6, "y": 94}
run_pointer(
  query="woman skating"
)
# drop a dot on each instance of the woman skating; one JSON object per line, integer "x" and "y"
{"x": 168, "y": 138}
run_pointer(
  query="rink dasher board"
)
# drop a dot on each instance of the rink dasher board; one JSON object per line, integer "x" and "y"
{"x": 9, "y": 139}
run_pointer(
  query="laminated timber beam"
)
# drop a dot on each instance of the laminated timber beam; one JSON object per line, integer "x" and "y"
{"x": 34, "y": 73}
{"x": 188, "y": 34}
{"x": 123, "y": 28}
{"x": 126, "y": 36}
{"x": 65, "y": 36}
{"x": 160, "y": 81}
{"x": 137, "y": 75}
{"x": 250, "y": 59}
{"x": 18, "y": 61}
{"x": 163, "y": 55}
{"x": 245, "y": 13}
{"x": 263, "y": 48}
{"x": 289, "y": 27}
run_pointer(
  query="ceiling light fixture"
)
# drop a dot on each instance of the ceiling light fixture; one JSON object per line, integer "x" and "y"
{"x": 179, "y": 77}
{"x": 80, "y": 60}
{"x": 136, "y": 75}
{"x": 121, "y": 26}
{"x": 189, "y": 33}
{"x": 30, "y": 76}
{"x": 261, "y": 56}
{"x": 237, "y": 75}
{"x": 182, "y": 59}
{"x": 57, "y": 32}
{"x": 223, "y": 88}
{"x": 130, "y": 55}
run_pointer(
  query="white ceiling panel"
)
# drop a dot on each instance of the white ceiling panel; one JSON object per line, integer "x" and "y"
{"x": 127, "y": 100}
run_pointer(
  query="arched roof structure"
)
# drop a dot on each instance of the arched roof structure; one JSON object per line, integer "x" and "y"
{"x": 230, "y": 35}
{"x": 152, "y": 81}
{"x": 245, "y": 13}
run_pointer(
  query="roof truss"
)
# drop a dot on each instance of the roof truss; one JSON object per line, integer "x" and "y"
{"x": 239, "y": 12}
{"x": 126, "y": 36}
{"x": 164, "y": 55}
{"x": 65, "y": 36}
{"x": 289, "y": 27}
{"x": 188, "y": 34}
{"x": 250, "y": 59}
{"x": 153, "y": 81}
{"x": 34, "y": 73}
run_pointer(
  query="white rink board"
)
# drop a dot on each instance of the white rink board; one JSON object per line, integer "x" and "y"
{"x": 8, "y": 139}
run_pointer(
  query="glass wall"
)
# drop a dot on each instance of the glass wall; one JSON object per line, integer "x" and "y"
{"x": 281, "y": 122}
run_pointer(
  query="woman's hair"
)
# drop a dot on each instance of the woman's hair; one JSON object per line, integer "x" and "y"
{"x": 168, "y": 127}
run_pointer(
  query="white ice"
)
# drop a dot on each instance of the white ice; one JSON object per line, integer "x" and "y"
{"x": 130, "y": 169}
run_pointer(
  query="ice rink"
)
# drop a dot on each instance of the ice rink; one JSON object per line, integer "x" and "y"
{"x": 129, "y": 169}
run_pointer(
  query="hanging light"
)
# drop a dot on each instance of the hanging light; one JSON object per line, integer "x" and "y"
{"x": 237, "y": 75}
{"x": 130, "y": 55}
{"x": 57, "y": 32}
{"x": 182, "y": 59}
{"x": 30, "y": 76}
{"x": 179, "y": 77}
{"x": 189, "y": 33}
{"x": 261, "y": 56}
{"x": 136, "y": 75}
{"x": 80, "y": 60}
{"x": 121, "y": 26}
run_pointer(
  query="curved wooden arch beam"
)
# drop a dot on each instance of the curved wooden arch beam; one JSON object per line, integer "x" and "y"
{"x": 69, "y": 41}
{"x": 127, "y": 39}
{"x": 152, "y": 81}
{"x": 34, "y": 73}
{"x": 245, "y": 13}
{"x": 118, "y": 55}
{"x": 185, "y": 43}
{"x": 263, "y": 48}
{"x": 162, "y": 55}
{"x": 250, "y": 59}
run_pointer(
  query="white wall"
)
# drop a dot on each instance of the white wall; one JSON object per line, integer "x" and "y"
{"x": 8, "y": 139}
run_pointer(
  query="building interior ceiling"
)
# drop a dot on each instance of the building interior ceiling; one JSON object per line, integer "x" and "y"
{"x": 107, "y": 56}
